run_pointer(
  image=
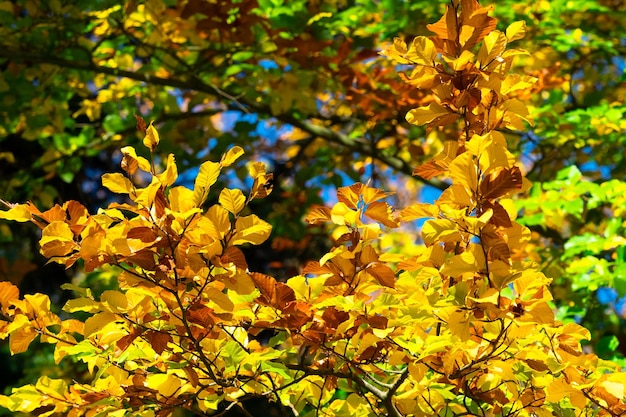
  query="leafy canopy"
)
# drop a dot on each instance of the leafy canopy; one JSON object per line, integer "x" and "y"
{"x": 461, "y": 325}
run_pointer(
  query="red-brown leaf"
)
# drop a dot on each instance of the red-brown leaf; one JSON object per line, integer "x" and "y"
{"x": 273, "y": 293}
{"x": 501, "y": 181}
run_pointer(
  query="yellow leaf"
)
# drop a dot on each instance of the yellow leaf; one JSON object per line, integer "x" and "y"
{"x": 559, "y": 390}
{"x": 18, "y": 213}
{"x": 422, "y": 51}
{"x": 207, "y": 175}
{"x": 166, "y": 384}
{"x": 442, "y": 230}
{"x": 219, "y": 298}
{"x": 219, "y": 218}
{"x": 232, "y": 200}
{"x": 21, "y": 339}
{"x": 493, "y": 45}
{"x": 145, "y": 196}
{"x": 115, "y": 299}
{"x": 396, "y": 51}
{"x": 169, "y": 176}
{"x": 57, "y": 240}
{"x": 117, "y": 183}
{"x": 463, "y": 171}
{"x": 515, "y": 82}
{"x": 517, "y": 108}
{"x": 424, "y": 115}
{"x": 516, "y": 30}
{"x": 381, "y": 212}
{"x": 256, "y": 169}
{"x": 251, "y": 229}
{"x": 418, "y": 211}
{"x": 231, "y": 156}
{"x": 130, "y": 161}
{"x": 151, "y": 140}
{"x": 181, "y": 199}
{"x": 460, "y": 63}
{"x": 97, "y": 322}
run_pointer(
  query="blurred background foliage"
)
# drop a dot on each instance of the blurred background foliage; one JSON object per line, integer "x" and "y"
{"x": 300, "y": 85}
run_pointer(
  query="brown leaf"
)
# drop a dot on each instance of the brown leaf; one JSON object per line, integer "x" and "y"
{"x": 236, "y": 256}
{"x": 501, "y": 181}
{"x": 158, "y": 340}
{"x": 123, "y": 343}
{"x": 314, "y": 267}
{"x": 500, "y": 217}
{"x": 141, "y": 124}
{"x": 383, "y": 274}
{"x": 145, "y": 234}
{"x": 202, "y": 315}
{"x": 273, "y": 293}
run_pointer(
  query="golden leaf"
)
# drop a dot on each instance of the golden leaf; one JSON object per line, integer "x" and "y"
{"x": 117, "y": 183}
{"x": 423, "y": 115}
{"x": 57, "y": 240}
{"x": 232, "y": 200}
{"x": 17, "y": 212}
{"x": 422, "y": 51}
{"x": 383, "y": 274}
{"x": 418, "y": 211}
{"x": 207, "y": 175}
{"x": 169, "y": 176}
{"x": 442, "y": 230}
{"x": 516, "y": 30}
{"x": 20, "y": 340}
{"x": 231, "y": 156}
{"x": 131, "y": 162}
{"x": 381, "y": 212}
{"x": 501, "y": 181}
{"x": 8, "y": 293}
{"x": 151, "y": 140}
{"x": 251, "y": 229}
{"x": 318, "y": 214}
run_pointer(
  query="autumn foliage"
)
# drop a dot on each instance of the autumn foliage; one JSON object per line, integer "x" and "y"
{"x": 461, "y": 325}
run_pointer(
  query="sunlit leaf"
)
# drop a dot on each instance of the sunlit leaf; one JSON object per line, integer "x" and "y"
{"x": 151, "y": 140}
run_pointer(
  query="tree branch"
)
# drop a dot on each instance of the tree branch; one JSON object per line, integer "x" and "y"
{"x": 195, "y": 83}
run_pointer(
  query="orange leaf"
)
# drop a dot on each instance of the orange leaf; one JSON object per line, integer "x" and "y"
{"x": 8, "y": 293}
{"x": 383, "y": 274}
{"x": 236, "y": 256}
{"x": 381, "y": 212}
{"x": 418, "y": 211}
{"x": 318, "y": 214}
{"x": 429, "y": 170}
{"x": 446, "y": 27}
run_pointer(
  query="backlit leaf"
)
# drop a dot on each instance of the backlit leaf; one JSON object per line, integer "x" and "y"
{"x": 151, "y": 140}
{"x": 318, "y": 214}
{"x": 117, "y": 183}
{"x": 251, "y": 229}
{"x": 516, "y": 30}
{"x": 424, "y": 115}
{"x": 232, "y": 200}
{"x": 443, "y": 230}
{"x": 231, "y": 156}
{"x": 207, "y": 175}
{"x": 8, "y": 293}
